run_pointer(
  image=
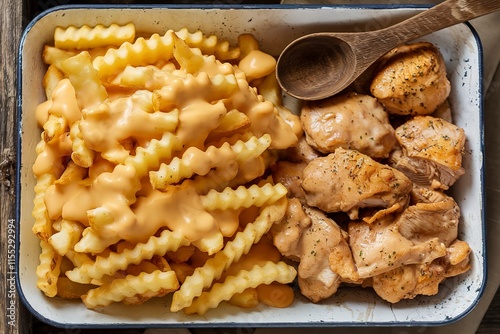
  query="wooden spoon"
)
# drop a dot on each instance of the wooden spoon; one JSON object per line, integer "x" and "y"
{"x": 320, "y": 65}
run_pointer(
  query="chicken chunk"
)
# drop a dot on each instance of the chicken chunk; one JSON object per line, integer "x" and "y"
{"x": 407, "y": 282}
{"x": 431, "y": 151}
{"x": 434, "y": 214}
{"x": 307, "y": 235}
{"x": 302, "y": 152}
{"x": 411, "y": 80}
{"x": 350, "y": 121}
{"x": 290, "y": 174}
{"x": 347, "y": 181}
{"x": 380, "y": 247}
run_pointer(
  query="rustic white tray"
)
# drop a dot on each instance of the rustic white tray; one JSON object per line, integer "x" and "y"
{"x": 274, "y": 27}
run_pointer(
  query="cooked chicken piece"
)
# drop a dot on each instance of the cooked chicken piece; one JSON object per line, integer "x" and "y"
{"x": 458, "y": 258}
{"x": 406, "y": 282}
{"x": 380, "y": 247}
{"x": 431, "y": 151}
{"x": 411, "y": 80}
{"x": 351, "y": 121}
{"x": 434, "y": 215}
{"x": 307, "y": 235}
{"x": 288, "y": 232}
{"x": 347, "y": 180}
{"x": 290, "y": 174}
{"x": 302, "y": 152}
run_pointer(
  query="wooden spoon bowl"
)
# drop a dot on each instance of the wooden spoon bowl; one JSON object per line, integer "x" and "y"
{"x": 320, "y": 65}
{"x": 313, "y": 56}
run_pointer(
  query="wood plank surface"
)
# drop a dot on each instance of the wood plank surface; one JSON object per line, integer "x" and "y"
{"x": 15, "y": 318}
{"x": 491, "y": 320}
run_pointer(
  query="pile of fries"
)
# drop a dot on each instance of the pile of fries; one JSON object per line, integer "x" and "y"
{"x": 151, "y": 170}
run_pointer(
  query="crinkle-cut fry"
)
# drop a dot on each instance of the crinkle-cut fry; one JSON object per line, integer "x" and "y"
{"x": 82, "y": 155}
{"x": 51, "y": 79}
{"x": 215, "y": 179}
{"x": 147, "y": 267}
{"x": 243, "y": 197}
{"x": 149, "y": 157}
{"x": 201, "y": 85}
{"x": 91, "y": 242}
{"x": 266, "y": 274}
{"x": 233, "y": 122}
{"x": 42, "y": 111}
{"x": 119, "y": 289}
{"x": 233, "y": 138}
{"x": 263, "y": 115}
{"x": 165, "y": 242}
{"x": 195, "y": 161}
{"x": 54, "y": 56}
{"x": 48, "y": 269}
{"x": 182, "y": 270}
{"x": 42, "y": 227}
{"x": 232, "y": 252}
{"x": 209, "y": 45}
{"x": 64, "y": 102}
{"x": 68, "y": 289}
{"x": 139, "y": 53}
{"x": 144, "y": 266}
{"x": 211, "y": 243}
{"x": 270, "y": 90}
{"x": 248, "y": 298}
{"x": 248, "y": 171}
{"x": 181, "y": 255}
{"x": 73, "y": 173}
{"x": 54, "y": 128}
{"x": 246, "y": 44}
{"x": 65, "y": 239}
{"x": 51, "y": 158}
{"x": 78, "y": 259}
{"x": 99, "y": 51}
{"x": 146, "y": 77}
{"x": 85, "y": 79}
{"x": 86, "y": 37}
{"x": 189, "y": 59}
{"x": 99, "y": 218}
{"x": 123, "y": 114}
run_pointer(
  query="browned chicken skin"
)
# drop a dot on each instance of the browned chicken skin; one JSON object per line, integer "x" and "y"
{"x": 350, "y": 121}
{"x": 411, "y": 80}
{"x": 308, "y": 236}
{"x": 431, "y": 151}
{"x": 347, "y": 180}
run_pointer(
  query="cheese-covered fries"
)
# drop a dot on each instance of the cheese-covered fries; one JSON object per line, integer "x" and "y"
{"x": 152, "y": 169}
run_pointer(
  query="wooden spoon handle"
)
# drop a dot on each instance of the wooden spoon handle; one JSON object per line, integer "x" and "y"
{"x": 441, "y": 16}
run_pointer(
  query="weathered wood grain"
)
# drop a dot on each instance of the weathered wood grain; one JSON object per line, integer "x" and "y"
{"x": 15, "y": 318}
{"x": 11, "y": 22}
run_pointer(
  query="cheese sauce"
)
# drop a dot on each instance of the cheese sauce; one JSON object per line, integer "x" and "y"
{"x": 50, "y": 159}
{"x": 114, "y": 127}
{"x": 179, "y": 208}
{"x": 257, "y": 64}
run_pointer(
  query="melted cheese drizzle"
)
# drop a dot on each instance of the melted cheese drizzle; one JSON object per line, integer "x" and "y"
{"x": 107, "y": 127}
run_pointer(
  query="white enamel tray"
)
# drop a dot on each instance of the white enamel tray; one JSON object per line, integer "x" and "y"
{"x": 274, "y": 27}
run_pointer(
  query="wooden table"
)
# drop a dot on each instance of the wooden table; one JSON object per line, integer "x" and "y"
{"x": 16, "y": 319}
